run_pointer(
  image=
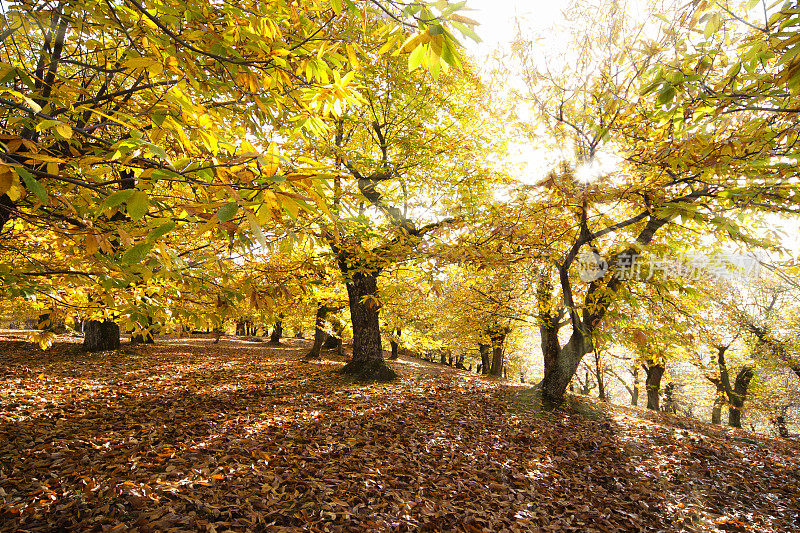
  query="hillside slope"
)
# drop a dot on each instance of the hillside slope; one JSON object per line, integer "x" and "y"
{"x": 187, "y": 435}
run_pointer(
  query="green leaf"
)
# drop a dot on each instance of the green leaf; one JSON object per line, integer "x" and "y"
{"x": 435, "y": 29}
{"x": 33, "y": 185}
{"x": 649, "y": 88}
{"x": 138, "y": 205}
{"x": 137, "y": 253}
{"x": 160, "y": 231}
{"x": 415, "y": 58}
{"x": 227, "y": 211}
{"x": 449, "y": 55}
{"x": 666, "y": 95}
{"x": 117, "y": 198}
{"x": 159, "y": 151}
{"x": 714, "y": 23}
{"x": 465, "y": 30}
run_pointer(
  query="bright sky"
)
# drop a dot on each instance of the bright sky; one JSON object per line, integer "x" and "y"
{"x": 497, "y": 19}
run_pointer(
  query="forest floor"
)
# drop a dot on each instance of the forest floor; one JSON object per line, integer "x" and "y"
{"x": 186, "y": 435}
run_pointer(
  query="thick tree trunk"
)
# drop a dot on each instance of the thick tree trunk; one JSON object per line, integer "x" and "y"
{"x": 635, "y": 392}
{"x": 653, "y": 384}
{"x": 367, "y": 363}
{"x": 738, "y": 397}
{"x": 559, "y": 370}
{"x": 497, "y": 361}
{"x": 100, "y": 336}
{"x": 277, "y": 332}
{"x": 485, "y": 358}
{"x": 320, "y": 335}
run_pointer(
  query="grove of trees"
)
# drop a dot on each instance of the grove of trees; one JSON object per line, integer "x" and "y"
{"x": 340, "y": 169}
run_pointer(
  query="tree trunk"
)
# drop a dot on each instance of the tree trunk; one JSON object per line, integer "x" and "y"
{"x": 497, "y": 361}
{"x": 670, "y": 403}
{"x": 598, "y": 370}
{"x": 738, "y": 397}
{"x": 395, "y": 344}
{"x": 559, "y": 369}
{"x": 334, "y": 341}
{"x": 653, "y": 384}
{"x": 485, "y": 358}
{"x": 780, "y": 422}
{"x": 635, "y": 391}
{"x": 320, "y": 335}
{"x": 738, "y": 392}
{"x": 101, "y": 336}
{"x": 367, "y": 363}
{"x": 719, "y": 401}
{"x": 277, "y": 333}
{"x": 498, "y": 337}
{"x": 585, "y": 387}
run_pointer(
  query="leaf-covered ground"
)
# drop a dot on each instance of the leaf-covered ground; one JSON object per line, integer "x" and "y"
{"x": 191, "y": 436}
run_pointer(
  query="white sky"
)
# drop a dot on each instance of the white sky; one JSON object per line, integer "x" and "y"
{"x": 496, "y": 19}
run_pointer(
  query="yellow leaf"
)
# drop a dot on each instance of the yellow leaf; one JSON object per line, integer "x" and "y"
{"x": 139, "y": 62}
{"x": 44, "y": 339}
{"x": 291, "y": 207}
{"x": 6, "y": 179}
{"x": 272, "y": 160}
{"x": 92, "y": 244}
{"x": 351, "y": 55}
{"x": 43, "y": 157}
{"x": 105, "y": 245}
{"x": 64, "y": 130}
{"x": 155, "y": 68}
{"x": 413, "y": 42}
{"x": 173, "y": 64}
